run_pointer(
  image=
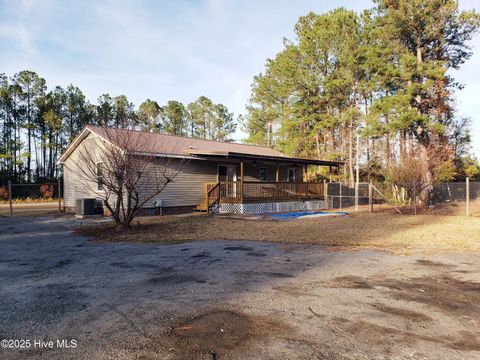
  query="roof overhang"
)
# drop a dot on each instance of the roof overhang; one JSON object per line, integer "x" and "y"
{"x": 280, "y": 159}
{"x": 205, "y": 155}
{"x": 83, "y": 134}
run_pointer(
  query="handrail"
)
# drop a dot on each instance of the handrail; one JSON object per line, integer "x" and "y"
{"x": 214, "y": 193}
{"x": 280, "y": 182}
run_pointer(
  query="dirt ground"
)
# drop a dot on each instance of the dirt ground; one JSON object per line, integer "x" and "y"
{"x": 215, "y": 298}
{"x": 392, "y": 232}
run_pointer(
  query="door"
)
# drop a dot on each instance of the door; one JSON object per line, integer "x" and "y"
{"x": 292, "y": 174}
{"x": 228, "y": 174}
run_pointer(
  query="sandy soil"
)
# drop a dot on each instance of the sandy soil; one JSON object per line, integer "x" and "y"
{"x": 231, "y": 299}
{"x": 393, "y": 232}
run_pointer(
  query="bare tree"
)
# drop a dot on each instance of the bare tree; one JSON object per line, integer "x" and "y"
{"x": 418, "y": 173}
{"x": 126, "y": 171}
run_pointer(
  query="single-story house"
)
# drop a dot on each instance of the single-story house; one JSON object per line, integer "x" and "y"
{"x": 216, "y": 176}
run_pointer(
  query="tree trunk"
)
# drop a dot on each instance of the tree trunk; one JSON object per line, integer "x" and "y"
{"x": 29, "y": 155}
{"x": 350, "y": 153}
{"x": 402, "y": 141}
{"x": 411, "y": 145}
{"x": 332, "y": 140}
{"x": 388, "y": 150}
{"x": 317, "y": 143}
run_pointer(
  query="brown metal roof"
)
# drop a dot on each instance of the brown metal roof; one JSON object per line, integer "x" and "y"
{"x": 156, "y": 143}
{"x": 162, "y": 144}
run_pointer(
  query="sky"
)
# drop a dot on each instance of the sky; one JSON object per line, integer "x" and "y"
{"x": 172, "y": 50}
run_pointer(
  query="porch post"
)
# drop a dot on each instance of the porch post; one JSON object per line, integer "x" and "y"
{"x": 241, "y": 181}
{"x": 277, "y": 173}
{"x": 330, "y": 172}
{"x": 304, "y": 180}
{"x": 10, "y": 197}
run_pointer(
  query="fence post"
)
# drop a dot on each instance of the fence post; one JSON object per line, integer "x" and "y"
{"x": 467, "y": 184}
{"x": 357, "y": 172}
{"x": 325, "y": 193}
{"x": 10, "y": 197}
{"x": 356, "y": 195}
{"x": 370, "y": 197}
{"x": 414, "y": 196}
{"x": 59, "y": 197}
{"x": 340, "y": 197}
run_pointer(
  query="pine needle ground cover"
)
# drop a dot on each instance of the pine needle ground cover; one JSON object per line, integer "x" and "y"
{"x": 400, "y": 234}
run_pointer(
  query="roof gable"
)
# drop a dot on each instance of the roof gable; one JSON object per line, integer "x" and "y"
{"x": 162, "y": 144}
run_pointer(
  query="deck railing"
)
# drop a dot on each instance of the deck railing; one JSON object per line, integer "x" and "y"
{"x": 236, "y": 192}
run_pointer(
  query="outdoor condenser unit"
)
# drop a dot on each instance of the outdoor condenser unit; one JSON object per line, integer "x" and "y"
{"x": 85, "y": 206}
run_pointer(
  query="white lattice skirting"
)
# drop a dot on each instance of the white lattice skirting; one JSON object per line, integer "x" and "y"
{"x": 257, "y": 208}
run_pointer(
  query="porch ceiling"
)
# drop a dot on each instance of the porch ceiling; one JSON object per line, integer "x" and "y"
{"x": 274, "y": 159}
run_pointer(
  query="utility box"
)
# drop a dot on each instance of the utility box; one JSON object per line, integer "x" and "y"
{"x": 85, "y": 206}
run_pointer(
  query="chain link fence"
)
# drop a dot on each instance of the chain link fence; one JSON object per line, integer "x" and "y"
{"x": 455, "y": 198}
{"x": 30, "y": 199}
{"x": 448, "y": 198}
{"x": 341, "y": 196}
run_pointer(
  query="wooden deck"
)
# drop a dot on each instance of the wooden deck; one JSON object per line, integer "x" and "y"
{"x": 259, "y": 191}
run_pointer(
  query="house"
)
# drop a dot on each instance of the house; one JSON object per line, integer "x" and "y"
{"x": 216, "y": 176}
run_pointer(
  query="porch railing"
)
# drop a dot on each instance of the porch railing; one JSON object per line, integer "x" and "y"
{"x": 235, "y": 191}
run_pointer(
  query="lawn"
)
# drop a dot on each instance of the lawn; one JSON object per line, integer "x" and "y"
{"x": 392, "y": 232}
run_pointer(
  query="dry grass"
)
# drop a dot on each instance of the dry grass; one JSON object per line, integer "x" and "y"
{"x": 31, "y": 209}
{"x": 392, "y": 232}
{"x": 29, "y": 200}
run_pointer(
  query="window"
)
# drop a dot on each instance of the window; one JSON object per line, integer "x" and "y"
{"x": 222, "y": 172}
{"x": 99, "y": 176}
{"x": 263, "y": 174}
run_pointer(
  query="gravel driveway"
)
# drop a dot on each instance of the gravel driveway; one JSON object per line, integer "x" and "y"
{"x": 228, "y": 299}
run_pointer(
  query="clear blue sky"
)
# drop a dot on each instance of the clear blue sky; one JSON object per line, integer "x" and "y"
{"x": 170, "y": 50}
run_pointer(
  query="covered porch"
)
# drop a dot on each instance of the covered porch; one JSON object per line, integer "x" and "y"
{"x": 249, "y": 182}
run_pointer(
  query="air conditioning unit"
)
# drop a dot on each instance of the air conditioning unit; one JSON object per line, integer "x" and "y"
{"x": 85, "y": 206}
{"x": 98, "y": 206}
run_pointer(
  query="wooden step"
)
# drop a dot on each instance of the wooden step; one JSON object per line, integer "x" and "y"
{"x": 203, "y": 206}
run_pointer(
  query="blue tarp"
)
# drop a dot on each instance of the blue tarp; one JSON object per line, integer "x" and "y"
{"x": 297, "y": 214}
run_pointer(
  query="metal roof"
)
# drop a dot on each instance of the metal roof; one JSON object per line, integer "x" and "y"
{"x": 157, "y": 144}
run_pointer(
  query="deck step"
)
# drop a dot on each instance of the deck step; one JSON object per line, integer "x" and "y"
{"x": 202, "y": 206}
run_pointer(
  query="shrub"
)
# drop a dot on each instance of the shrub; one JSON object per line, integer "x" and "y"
{"x": 3, "y": 193}
{"x": 46, "y": 190}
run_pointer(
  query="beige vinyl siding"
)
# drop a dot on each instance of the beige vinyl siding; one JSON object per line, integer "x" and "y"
{"x": 75, "y": 184}
{"x": 252, "y": 173}
{"x": 186, "y": 189}
{"x": 188, "y": 186}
